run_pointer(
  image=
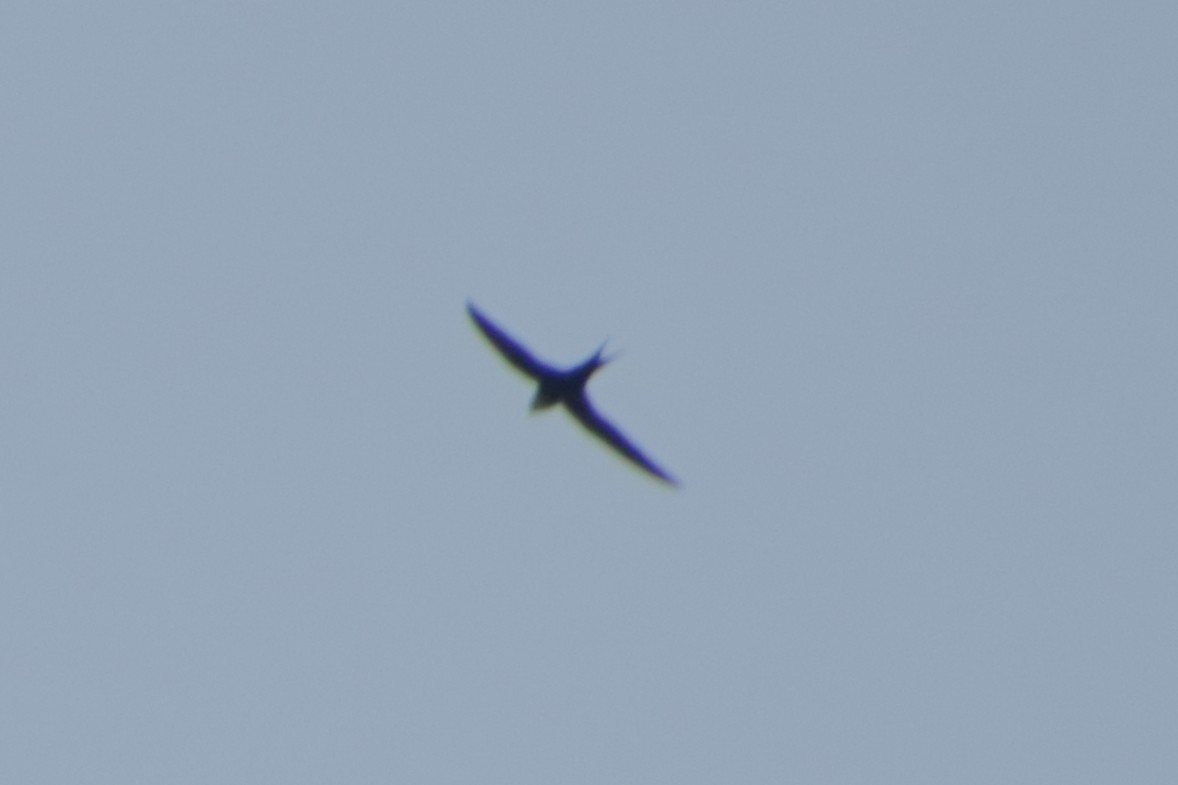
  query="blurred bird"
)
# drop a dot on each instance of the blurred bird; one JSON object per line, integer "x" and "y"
{"x": 566, "y": 387}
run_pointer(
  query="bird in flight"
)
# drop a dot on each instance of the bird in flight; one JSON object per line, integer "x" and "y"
{"x": 566, "y": 387}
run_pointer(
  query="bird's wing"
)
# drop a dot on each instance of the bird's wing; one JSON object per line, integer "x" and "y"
{"x": 511, "y": 350}
{"x": 583, "y": 411}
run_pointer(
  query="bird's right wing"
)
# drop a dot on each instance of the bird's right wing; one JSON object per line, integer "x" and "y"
{"x": 585, "y": 414}
{"x": 510, "y": 348}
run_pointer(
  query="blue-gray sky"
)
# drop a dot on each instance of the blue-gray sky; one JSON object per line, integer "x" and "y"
{"x": 895, "y": 287}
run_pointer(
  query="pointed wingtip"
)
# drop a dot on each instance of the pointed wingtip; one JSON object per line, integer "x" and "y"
{"x": 656, "y": 473}
{"x": 477, "y": 316}
{"x": 667, "y": 479}
{"x": 474, "y": 314}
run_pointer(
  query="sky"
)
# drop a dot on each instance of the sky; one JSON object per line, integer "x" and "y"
{"x": 894, "y": 289}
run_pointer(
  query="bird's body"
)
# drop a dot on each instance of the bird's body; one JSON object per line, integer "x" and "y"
{"x": 567, "y": 387}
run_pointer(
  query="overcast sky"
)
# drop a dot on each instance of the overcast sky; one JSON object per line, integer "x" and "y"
{"x": 895, "y": 288}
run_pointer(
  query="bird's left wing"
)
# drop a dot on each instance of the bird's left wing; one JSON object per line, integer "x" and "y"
{"x": 510, "y": 348}
{"x": 585, "y": 414}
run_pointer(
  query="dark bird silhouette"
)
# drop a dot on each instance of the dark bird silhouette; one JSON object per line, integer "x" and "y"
{"x": 566, "y": 387}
